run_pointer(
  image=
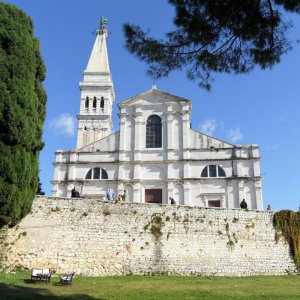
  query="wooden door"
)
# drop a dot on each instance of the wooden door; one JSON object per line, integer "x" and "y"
{"x": 153, "y": 196}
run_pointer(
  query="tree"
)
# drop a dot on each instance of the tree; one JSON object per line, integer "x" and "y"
{"x": 22, "y": 113}
{"x": 231, "y": 36}
{"x": 39, "y": 189}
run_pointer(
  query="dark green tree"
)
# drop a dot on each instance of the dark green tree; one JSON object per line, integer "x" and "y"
{"x": 231, "y": 36}
{"x": 39, "y": 189}
{"x": 22, "y": 113}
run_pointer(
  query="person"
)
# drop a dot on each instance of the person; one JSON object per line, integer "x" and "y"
{"x": 110, "y": 195}
{"x": 125, "y": 196}
{"x": 269, "y": 207}
{"x": 74, "y": 193}
{"x": 244, "y": 204}
{"x": 119, "y": 198}
{"x": 172, "y": 200}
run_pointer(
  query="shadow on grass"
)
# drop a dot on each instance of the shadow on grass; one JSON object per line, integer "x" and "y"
{"x": 37, "y": 291}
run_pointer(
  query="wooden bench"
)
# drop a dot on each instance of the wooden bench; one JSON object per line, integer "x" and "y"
{"x": 39, "y": 275}
{"x": 67, "y": 278}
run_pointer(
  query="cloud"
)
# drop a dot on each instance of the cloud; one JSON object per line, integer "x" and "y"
{"x": 63, "y": 124}
{"x": 235, "y": 135}
{"x": 208, "y": 126}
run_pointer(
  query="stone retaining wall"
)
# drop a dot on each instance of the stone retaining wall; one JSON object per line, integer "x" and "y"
{"x": 93, "y": 237}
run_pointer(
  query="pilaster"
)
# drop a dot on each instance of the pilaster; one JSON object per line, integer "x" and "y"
{"x": 137, "y": 192}
{"x": 187, "y": 193}
{"x": 139, "y": 138}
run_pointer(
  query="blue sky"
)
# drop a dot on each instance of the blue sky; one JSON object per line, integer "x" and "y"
{"x": 260, "y": 108}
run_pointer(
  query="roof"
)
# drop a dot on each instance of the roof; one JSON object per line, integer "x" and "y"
{"x": 98, "y": 61}
{"x": 152, "y": 94}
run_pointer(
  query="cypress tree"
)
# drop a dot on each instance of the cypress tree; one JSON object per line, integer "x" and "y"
{"x": 22, "y": 113}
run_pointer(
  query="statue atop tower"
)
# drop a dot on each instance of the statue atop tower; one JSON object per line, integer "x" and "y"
{"x": 103, "y": 23}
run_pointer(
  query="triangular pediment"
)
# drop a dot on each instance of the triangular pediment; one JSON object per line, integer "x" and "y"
{"x": 152, "y": 97}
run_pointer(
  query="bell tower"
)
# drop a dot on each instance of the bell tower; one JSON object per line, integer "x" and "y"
{"x": 96, "y": 93}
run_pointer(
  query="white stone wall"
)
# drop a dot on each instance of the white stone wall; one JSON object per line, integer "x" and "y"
{"x": 93, "y": 237}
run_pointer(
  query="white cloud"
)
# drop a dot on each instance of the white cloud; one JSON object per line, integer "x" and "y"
{"x": 63, "y": 124}
{"x": 235, "y": 135}
{"x": 208, "y": 126}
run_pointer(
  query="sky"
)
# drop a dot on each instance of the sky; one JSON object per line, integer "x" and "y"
{"x": 261, "y": 108}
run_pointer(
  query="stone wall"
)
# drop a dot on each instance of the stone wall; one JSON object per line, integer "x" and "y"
{"x": 93, "y": 237}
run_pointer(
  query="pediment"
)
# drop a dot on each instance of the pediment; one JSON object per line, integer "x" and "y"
{"x": 152, "y": 97}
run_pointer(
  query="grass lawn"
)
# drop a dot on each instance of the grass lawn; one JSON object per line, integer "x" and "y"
{"x": 18, "y": 286}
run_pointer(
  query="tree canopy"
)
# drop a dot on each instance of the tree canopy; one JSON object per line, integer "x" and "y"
{"x": 22, "y": 113}
{"x": 231, "y": 36}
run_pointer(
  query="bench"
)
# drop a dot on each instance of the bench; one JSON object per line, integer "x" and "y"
{"x": 67, "y": 278}
{"x": 40, "y": 275}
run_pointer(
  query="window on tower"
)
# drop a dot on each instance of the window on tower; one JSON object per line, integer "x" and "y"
{"x": 87, "y": 102}
{"x": 154, "y": 132}
{"x": 96, "y": 174}
{"x": 95, "y": 102}
{"x": 102, "y": 102}
{"x": 213, "y": 171}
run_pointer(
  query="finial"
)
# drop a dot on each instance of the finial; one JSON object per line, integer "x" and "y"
{"x": 103, "y": 23}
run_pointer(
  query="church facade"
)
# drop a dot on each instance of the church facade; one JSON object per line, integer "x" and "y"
{"x": 155, "y": 154}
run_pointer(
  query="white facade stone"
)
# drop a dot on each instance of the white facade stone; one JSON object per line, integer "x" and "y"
{"x": 172, "y": 169}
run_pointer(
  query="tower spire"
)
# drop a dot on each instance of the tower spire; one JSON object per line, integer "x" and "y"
{"x": 98, "y": 61}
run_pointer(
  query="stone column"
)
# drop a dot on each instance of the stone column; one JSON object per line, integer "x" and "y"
{"x": 137, "y": 192}
{"x": 241, "y": 192}
{"x": 186, "y": 170}
{"x": 185, "y": 116}
{"x": 256, "y": 168}
{"x": 120, "y": 171}
{"x": 169, "y": 128}
{"x": 230, "y": 194}
{"x": 187, "y": 193}
{"x": 122, "y": 117}
{"x": 258, "y": 195}
{"x": 136, "y": 171}
{"x": 170, "y": 191}
{"x": 186, "y": 134}
{"x": 170, "y": 171}
{"x": 139, "y": 138}
{"x": 223, "y": 201}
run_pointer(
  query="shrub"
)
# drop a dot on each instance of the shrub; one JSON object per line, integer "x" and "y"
{"x": 287, "y": 224}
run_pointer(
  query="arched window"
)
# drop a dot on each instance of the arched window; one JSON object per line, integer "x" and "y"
{"x": 154, "y": 132}
{"x": 87, "y": 102}
{"x": 103, "y": 174}
{"x": 96, "y": 173}
{"x": 89, "y": 174}
{"x": 213, "y": 171}
{"x": 95, "y": 102}
{"x": 102, "y": 102}
{"x": 221, "y": 172}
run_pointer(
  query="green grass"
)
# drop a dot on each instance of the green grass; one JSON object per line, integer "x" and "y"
{"x": 18, "y": 286}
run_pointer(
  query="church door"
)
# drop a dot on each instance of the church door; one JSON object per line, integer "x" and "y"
{"x": 153, "y": 196}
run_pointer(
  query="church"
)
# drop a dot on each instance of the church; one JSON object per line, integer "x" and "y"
{"x": 155, "y": 154}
